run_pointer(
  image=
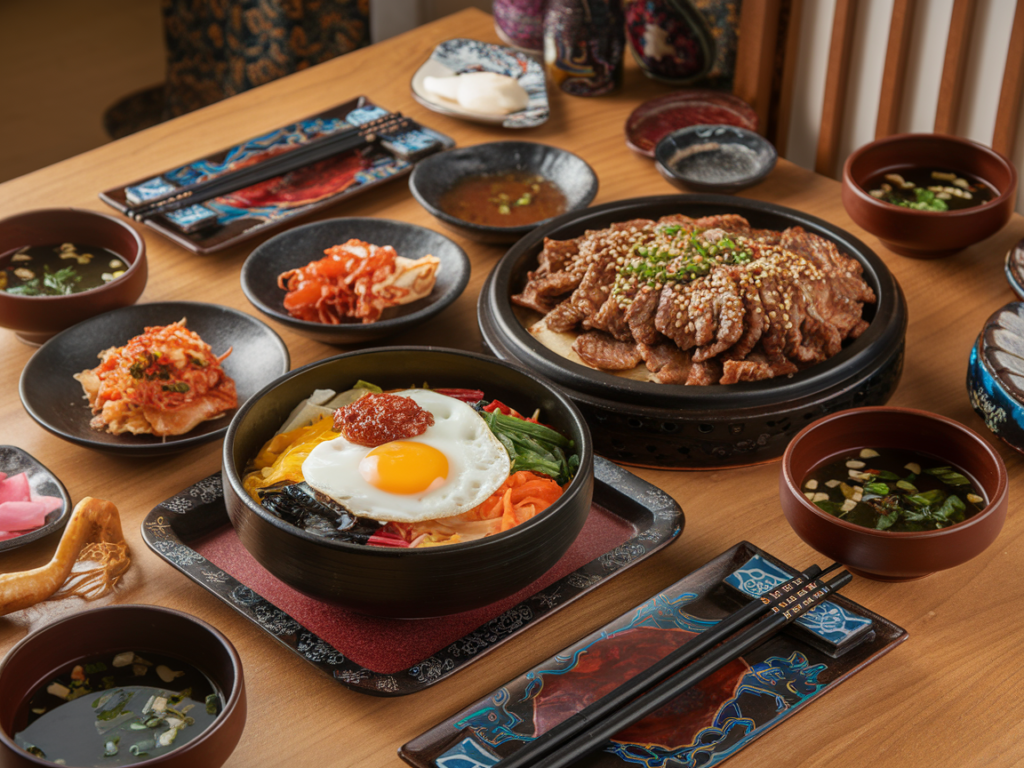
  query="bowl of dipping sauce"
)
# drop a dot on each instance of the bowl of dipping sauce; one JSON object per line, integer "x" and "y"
{"x": 497, "y": 192}
{"x": 893, "y": 493}
{"x": 927, "y": 195}
{"x": 122, "y": 685}
{"x": 59, "y": 266}
{"x": 714, "y": 158}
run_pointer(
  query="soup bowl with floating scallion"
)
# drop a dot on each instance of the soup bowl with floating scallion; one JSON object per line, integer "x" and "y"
{"x": 60, "y": 266}
{"x": 332, "y": 542}
{"x": 928, "y": 195}
{"x": 893, "y": 493}
{"x": 122, "y": 685}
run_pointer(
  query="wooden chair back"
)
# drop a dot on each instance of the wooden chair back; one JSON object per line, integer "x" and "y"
{"x": 770, "y": 29}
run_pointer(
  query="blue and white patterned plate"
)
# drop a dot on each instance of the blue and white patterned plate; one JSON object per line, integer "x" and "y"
{"x": 995, "y": 374}
{"x": 454, "y": 57}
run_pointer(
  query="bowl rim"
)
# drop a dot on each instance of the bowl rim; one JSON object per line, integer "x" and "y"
{"x": 585, "y": 451}
{"x": 133, "y": 266}
{"x": 171, "y": 444}
{"x": 246, "y": 279}
{"x": 433, "y": 210}
{"x": 739, "y": 182}
{"x": 680, "y": 98}
{"x": 862, "y": 196}
{"x": 232, "y": 698}
{"x": 997, "y": 499}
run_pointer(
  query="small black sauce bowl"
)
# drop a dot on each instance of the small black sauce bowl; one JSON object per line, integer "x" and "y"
{"x": 714, "y": 158}
{"x": 41, "y": 656}
{"x": 14, "y": 461}
{"x": 438, "y": 173}
{"x": 298, "y": 246}
{"x": 407, "y": 583}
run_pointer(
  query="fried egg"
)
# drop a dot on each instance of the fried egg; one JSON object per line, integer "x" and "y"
{"x": 451, "y": 468}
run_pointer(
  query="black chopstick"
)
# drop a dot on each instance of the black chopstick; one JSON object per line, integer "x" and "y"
{"x": 794, "y": 605}
{"x": 307, "y": 154}
{"x": 607, "y": 705}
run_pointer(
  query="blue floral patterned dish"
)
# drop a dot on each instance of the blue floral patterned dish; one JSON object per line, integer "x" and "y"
{"x": 453, "y": 57}
{"x": 995, "y": 374}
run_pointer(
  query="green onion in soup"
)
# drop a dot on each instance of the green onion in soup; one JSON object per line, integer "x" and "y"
{"x": 894, "y": 490}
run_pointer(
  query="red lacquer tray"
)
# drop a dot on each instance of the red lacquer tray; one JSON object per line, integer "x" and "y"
{"x": 630, "y": 520}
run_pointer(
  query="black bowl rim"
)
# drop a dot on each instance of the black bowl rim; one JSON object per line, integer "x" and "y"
{"x": 586, "y": 453}
{"x": 897, "y": 210}
{"x": 57, "y": 525}
{"x": 232, "y": 697}
{"x": 816, "y": 379}
{"x": 171, "y": 444}
{"x": 522, "y": 229}
{"x": 378, "y": 327}
{"x": 967, "y": 434}
{"x": 133, "y": 266}
{"x": 661, "y": 150}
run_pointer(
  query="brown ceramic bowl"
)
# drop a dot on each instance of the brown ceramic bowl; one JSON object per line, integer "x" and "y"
{"x": 43, "y": 654}
{"x": 36, "y": 318}
{"x": 928, "y": 234}
{"x": 884, "y": 555}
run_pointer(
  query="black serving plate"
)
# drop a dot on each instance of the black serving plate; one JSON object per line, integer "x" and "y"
{"x": 301, "y": 245}
{"x": 179, "y": 529}
{"x": 407, "y": 583}
{"x": 698, "y": 427}
{"x": 42, "y": 482}
{"x": 56, "y": 400}
{"x": 437, "y": 174}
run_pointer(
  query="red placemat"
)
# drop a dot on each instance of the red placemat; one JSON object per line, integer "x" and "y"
{"x": 393, "y": 645}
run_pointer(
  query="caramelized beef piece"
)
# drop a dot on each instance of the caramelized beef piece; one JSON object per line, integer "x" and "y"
{"x": 704, "y": 373}
{"x": 668, "y": 363}
{"x": 602, "y": 351}
{"x": 542, "y": 293}
{"x": 563, "y": 318}
{"x": 640, "y": 316}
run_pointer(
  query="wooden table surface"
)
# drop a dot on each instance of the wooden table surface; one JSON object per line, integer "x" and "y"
{"x": 948, "y": 696}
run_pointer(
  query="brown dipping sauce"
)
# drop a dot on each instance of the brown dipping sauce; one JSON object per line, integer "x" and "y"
{"x": 504, "y": 200}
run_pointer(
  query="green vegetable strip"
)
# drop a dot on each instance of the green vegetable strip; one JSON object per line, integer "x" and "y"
{"x": 533, "y": 447}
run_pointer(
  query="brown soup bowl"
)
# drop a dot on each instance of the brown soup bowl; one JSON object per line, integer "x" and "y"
{"x": 97, "y": 631}
{"x": 885, "y": 555}
{"x": 407, "y": 583}
{"x": 34, "y": 319}
{"x": 928, "y": 234}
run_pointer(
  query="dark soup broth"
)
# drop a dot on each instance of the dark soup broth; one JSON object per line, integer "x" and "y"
{"x": 894, "y": 490}
{"x": 504, "y": 200}
{"x": 117, "y": 709}
{"x": 929, "y": 189}
{"x": 58, "y": 269}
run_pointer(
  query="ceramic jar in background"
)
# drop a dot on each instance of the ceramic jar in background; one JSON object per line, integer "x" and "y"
{"x": 583, "y": 45}
{"x": 520, "y": 23}
{"x": 669, "y": 39}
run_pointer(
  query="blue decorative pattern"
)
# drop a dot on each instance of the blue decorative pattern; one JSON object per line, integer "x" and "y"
{"x": 467, "y": 754}
{"x": 192, "y": 217}
{"x": 463, "y": 55}
{"x": 148, "y": 190}
{"x": 828, "y": 620}
{"x": 999, "y": 350}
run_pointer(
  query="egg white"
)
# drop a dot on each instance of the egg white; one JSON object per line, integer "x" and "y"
{"x": 477, "y": 466}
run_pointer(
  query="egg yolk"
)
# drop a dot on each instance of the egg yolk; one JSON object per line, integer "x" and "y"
{"x": 404, "y": 467}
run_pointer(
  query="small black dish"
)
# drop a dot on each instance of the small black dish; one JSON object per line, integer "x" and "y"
{"x": 407, "y": 583}
{"x": 437, "y": 174}
{"x": 301, "y": 245}
{"x": 14, "y": 461}
{"x": 714, "y": 158}
{"x": 56, "y": 401}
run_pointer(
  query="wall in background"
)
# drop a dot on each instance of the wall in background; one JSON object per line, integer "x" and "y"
{"x": 990, "y": 42}
{"x": 64, "y": 62}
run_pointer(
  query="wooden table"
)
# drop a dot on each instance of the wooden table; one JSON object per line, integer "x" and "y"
{"x": 949, "y": 696}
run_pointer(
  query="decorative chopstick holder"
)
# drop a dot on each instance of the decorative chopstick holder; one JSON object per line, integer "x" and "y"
{"x": 828, "y": 627}
{"x": 406, "y": 146}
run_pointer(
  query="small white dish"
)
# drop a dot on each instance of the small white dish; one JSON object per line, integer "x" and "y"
{"x": 460, "y": 55}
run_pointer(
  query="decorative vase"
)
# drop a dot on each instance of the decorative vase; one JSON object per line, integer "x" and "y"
{"x": 672, "y": 40}
{"x": 520, "y": 23}
{"x": 583, "y": 45}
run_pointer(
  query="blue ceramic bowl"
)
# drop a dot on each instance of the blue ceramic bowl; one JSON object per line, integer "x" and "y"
{"x": 995, "y": 374}
{"x": 714, "y": 158}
